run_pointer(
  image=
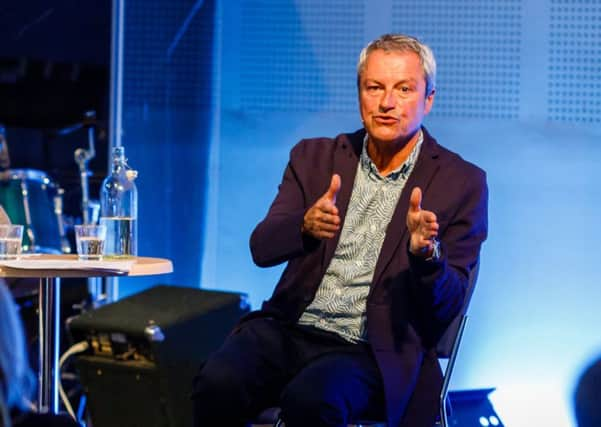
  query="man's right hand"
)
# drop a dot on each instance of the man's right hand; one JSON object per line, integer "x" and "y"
{"x": 322, "y": 220}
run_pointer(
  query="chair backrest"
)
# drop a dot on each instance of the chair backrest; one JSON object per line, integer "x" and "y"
{"x": 448, "y": 345}
{"x": 445, "y": 345}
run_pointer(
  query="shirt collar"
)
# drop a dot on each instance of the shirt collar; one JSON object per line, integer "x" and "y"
{"x": 402, "y": 171}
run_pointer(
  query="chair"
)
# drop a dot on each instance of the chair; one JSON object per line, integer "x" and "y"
{"x": 447, "y": 348}
{"x": 448, "y": 345}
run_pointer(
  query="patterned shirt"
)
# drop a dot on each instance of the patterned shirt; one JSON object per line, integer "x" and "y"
{"x": 339, "y": 305}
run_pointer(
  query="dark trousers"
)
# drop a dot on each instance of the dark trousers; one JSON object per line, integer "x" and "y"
{"x": 316, "y": 377}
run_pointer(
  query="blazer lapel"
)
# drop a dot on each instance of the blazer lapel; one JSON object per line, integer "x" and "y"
{"x": 424, "y": 170}
{"x": 346, "y": 159}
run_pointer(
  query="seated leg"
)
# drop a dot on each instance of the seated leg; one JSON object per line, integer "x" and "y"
{"x": 334, "y": 389}
{"x": 245, "y": 375}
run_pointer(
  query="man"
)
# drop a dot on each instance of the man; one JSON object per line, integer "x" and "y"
{"x": 372, "y": 279}
{"x": 587, "y": 400}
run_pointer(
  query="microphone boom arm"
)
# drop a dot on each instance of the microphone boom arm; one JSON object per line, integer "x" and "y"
{"x": 82, "y": 158}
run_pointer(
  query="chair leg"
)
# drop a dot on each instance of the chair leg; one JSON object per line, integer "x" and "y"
{"x": 444, "y": 412}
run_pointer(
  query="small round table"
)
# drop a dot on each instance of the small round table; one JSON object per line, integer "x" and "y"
{"x": 49, "y": 306}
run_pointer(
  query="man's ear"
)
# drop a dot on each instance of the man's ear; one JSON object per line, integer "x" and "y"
{"x": 429, "y": 101}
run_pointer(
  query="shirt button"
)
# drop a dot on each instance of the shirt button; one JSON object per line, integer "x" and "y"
{"x": 373, "y": 227}
{"x": 358, "y": 263}
{"x": 322, "y": 321}
{"x": 338, "y": 292}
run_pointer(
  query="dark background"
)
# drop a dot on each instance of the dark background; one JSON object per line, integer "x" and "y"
{"x": 55, "y": 60}
{"x": 54, "y": 66}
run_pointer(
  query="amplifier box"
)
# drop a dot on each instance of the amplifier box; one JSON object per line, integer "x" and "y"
{"x": 145, "y": 350}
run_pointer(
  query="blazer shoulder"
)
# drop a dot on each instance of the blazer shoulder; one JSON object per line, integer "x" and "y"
{"x": 321, "y": 146}
{"x": 311, "y": 144}
{"x": 450, "y": 159}
{"x": 455, "y": 161}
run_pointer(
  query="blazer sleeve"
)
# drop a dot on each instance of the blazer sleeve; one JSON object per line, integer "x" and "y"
{"x": 278, "y": 237}
{"x": 439, "y": 286}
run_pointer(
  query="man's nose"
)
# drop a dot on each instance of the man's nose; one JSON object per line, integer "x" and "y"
{"x": 388, "y": 101}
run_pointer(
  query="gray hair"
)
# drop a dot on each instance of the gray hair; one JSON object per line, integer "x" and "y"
{"x": 402, "y": 43}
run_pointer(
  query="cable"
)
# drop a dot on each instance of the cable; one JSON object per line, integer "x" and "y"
{"x": 74, "y": 349}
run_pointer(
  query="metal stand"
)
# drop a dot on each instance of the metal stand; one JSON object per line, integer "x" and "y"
{"x": 82, "y": 157}
{"x": 60, "y": 221}
{"x": 104, "y": 290}
{"x": 49, "y": 322}
{"x": 89, "y": 209}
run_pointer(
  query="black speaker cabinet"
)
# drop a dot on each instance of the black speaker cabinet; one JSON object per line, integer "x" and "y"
{"x": 145, "y": 350}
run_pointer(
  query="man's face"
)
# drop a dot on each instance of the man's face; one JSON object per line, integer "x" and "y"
{"x": 392, "y": 96}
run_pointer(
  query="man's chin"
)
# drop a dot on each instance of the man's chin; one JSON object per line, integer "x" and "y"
{"x": 398, "y": 140}
{"x": 387, "y": 137}
{"x": 393, "y": 135}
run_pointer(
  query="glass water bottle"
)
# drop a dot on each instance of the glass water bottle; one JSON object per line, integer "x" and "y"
{"x": 119, "y": 208}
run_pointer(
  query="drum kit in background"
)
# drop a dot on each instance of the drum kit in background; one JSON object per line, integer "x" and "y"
{"x": 30, "y": 197}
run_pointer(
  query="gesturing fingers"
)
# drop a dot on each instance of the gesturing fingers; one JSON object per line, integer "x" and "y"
{"x": 334, "y": 188}
{"x": 415, "y": 200}
{"x": 422, "y": 224}
{"x": 325, "y": 231}
{"x": 428, "y": 228}
{"x": 322, "y": 220}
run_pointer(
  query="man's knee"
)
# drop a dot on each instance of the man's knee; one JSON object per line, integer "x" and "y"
{"x": 217, "y": 378}
{"x": 302, "y": 407}
{"x": 218, "y": 395}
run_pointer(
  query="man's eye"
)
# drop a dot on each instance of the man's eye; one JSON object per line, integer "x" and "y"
{"x": 373, "y": 88}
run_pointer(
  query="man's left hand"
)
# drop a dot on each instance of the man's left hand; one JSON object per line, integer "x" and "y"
{"x": 422, "y": 225}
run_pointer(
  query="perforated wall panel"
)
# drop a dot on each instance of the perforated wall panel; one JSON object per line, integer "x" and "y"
{"x": 167, "y": 61}
{"x": 477, "y": 44}
{"x": 574, "y": 61}
{"x": 167, "y": 123}
{"x": 300, "y": 55}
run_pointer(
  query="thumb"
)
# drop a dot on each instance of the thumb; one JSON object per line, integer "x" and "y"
{"x": 416, "y": 200}
{"x": 334, "y": 188}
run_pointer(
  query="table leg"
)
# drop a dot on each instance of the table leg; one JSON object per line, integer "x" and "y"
{"x": 49, "y": 323}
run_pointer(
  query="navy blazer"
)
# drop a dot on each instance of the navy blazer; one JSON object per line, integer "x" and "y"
{"x": 411, "y": 301}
